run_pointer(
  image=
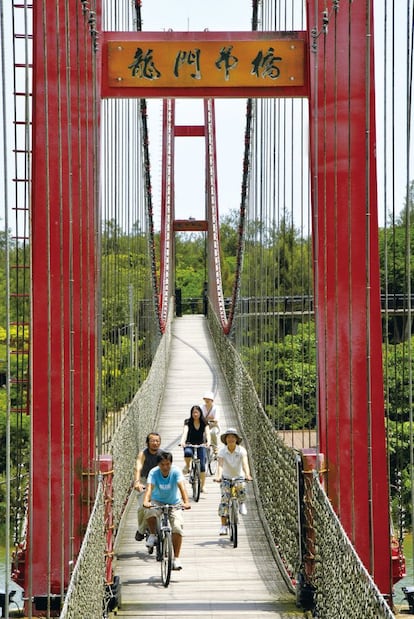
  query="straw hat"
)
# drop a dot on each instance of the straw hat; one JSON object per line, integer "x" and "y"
{"x": 209, "y": 395}
{"x": 231, "y": 431}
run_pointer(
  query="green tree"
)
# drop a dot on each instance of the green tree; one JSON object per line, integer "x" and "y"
{"x": 284, "y": 374}
{"x": 229, "y": 236}
{"x": 396, "y": 247}
{"x": 190, "y": 264}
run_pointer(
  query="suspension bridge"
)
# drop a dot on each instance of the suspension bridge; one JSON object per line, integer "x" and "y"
{"x": 303, "y": 333}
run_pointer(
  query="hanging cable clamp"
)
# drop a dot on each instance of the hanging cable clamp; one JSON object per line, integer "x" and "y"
{"x": 84, "y": 4}
{"x": 314, "y": 35}
{"x": 325, "y": 21}
{"x": 92, "y": 29}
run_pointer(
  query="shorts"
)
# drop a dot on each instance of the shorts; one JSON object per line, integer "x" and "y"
{"x": 223, "y": 509}
{"x": 176, "y": 518}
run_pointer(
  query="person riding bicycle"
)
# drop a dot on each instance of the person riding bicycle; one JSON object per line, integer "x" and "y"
{"x": 210, "y": 414}
{"x": 146, "y": 460}
{"x": 232, "y": 462}
{"x": 196, "y": 431}
{"x": 165, "y": 484}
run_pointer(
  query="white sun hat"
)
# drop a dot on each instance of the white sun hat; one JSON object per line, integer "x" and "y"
{"x": 209, "y": 395}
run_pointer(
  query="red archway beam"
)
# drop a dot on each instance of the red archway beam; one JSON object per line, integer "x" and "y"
{"x": 204, "y": 64}
{"x": 189, "y": 131}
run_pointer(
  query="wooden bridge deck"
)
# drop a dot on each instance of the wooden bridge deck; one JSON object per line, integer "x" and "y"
{"x": 216, "y": 580}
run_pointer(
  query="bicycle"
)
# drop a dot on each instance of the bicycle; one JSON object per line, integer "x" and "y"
{"x": 233, "y": 517}
{"x": 212, "y": 452}
{"x": 194, "y": 478}
{"x": 212, "y": 460}
{"x": 165, "y": 552}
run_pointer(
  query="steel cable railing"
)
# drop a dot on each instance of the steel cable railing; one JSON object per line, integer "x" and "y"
{"x": 87, "y": 594}
{"x": 343, "y": 587}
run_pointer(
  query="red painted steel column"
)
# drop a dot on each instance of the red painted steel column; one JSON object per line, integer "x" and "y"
{"x": 347, "y": 293}
{"x": 64, "y": 225}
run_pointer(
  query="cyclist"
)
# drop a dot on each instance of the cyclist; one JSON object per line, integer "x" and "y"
{"x": 146, "y": 460}
{"x": 210, "y": 414}
{"x": 196, "y": 431}
{"x": 232, "y": 462}
{"x": 165, "y": 484}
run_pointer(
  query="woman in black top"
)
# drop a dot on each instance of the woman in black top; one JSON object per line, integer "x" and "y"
{"x": 195, "y": 432}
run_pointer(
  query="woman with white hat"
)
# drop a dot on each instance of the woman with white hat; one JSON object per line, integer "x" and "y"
{"x": 232, "y": 462}
{"x": 210, "y": 415}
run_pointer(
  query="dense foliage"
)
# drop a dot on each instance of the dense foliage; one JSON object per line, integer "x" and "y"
{"x": 127, "y": 313}
{"x": 18, "y": 436}
{"x": 284, "y": 373}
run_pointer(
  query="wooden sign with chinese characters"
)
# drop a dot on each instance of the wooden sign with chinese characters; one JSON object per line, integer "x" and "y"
{"x": 212, "y": 61}
{"x": 190, "y": 225}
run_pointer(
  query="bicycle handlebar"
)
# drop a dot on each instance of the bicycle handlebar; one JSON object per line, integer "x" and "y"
{"x": 232, "y": 480}
{"x": 165, "y": 506}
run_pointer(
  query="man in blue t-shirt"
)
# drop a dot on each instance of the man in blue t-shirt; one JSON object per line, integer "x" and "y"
{"x": 166, "y": 485}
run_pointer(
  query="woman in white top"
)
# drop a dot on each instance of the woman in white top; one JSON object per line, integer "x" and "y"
{"x": 232, "y": 462}
{"x": 210, "y": 415}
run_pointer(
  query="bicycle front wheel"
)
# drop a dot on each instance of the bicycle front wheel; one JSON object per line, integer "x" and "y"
{"x": 166, "y": 557}
{"x": 212, "y": 462}
{"x": 196, "y": 482}
{"x": 233, "y": 521}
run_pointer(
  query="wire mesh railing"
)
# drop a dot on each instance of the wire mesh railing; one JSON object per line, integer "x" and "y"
{"x": 278, "y": 481}
{"x": 88, "y": 593}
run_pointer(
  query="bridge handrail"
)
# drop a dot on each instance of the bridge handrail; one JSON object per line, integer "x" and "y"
{"x": 339, "y": 569}
{"x": 270, "y": 458}
{"x": 87, "y": 585}
{"x": 343, "y": 587}
{"x": 138, "y": 422}
{"x": 86, "y": 591}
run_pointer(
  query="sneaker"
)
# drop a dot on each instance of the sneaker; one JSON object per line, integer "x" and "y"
{"x": 242, "y": 509}
{"x": 223, "y": 530}
{"x": 139, "y": 536}
{"x": 185, "y": 470}
{"x": 177, "y": 564}
{"x": 151, "y": 541}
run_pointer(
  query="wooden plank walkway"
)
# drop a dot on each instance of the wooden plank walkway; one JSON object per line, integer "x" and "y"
{"x": 216, "y": 580}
